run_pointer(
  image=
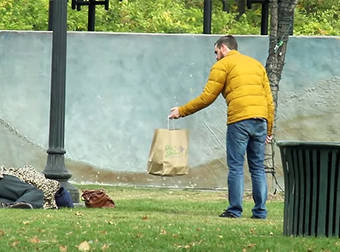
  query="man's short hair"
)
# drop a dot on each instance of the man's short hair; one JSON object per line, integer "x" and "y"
{"x": 228, "y": 40}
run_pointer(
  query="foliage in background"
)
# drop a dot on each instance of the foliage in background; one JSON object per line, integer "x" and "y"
{"x": 317, "y": 22}
{"x": 312, "y": 17}
{"x": 23, "y": 15}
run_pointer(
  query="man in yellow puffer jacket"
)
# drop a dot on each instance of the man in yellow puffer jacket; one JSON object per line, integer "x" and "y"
{"x": 244, "y": 84}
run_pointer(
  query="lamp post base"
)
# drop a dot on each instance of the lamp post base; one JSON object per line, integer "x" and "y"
{"x": 55, "y": 169}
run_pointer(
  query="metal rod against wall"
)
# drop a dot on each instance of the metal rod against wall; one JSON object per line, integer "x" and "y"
{"x": 50, "y": 15}
{"x": 91, "y": 16}
{"x": 207, "y": 17}
{"x": 264, "y": 18}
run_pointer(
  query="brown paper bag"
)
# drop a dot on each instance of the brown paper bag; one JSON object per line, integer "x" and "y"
{"x": 169, "y": 152}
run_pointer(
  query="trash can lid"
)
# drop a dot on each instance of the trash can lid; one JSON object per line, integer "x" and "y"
{"x": 291, "y": 143}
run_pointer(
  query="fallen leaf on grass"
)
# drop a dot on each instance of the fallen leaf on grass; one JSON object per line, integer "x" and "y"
{"x": 34, "y": 240}
{"x": 139, "y": 235}
{"x": 188, "y": 246}
{"x": 42, "y": 230}
{"x": 78, "y": 213}
{"x": 25, "y": 222}
{"x": 110, "y": 222}
{"x": 2, "y": 233}
{"x": 105, "y": 247}
{"x": 144, "y": 217}
{"x": 251, "y": 245}
{"x": 84, "y": 246}
{"x": 14, "y": 244}
{"x": 183, "y": 246}
{"x": 62, "y": 248}
{"x": 253, "y": 230}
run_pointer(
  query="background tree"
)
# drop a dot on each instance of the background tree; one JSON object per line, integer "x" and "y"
{"x": 281, "y": 25}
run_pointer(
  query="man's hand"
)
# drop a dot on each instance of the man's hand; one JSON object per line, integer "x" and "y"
{"x": 269, "y": 139}
{"x": 174, "y": 113}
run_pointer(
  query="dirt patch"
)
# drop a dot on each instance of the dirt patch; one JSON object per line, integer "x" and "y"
{"x": 210, "y": 176}
{"x": 207, "y": 176}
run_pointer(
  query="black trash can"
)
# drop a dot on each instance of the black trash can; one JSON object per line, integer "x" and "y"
{"x": 312, "y": 188}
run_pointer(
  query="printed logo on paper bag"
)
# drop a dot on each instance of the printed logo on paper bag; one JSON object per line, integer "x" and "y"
{"x": 171, "y": 151}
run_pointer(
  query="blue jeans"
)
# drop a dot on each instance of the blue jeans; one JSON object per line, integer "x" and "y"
{"x": 247, "y": 136}
{"x": 13, "y": 190}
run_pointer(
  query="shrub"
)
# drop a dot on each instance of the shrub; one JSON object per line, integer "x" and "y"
{"x": 312, "y": 17}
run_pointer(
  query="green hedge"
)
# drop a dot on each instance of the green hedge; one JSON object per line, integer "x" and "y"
{"x": 312, "y": 17}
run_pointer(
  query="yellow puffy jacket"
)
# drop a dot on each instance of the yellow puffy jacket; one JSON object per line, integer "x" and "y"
{"x": 244, "y": 84}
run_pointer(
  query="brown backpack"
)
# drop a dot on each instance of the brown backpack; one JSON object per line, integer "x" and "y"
{"x": 97, "y": 199}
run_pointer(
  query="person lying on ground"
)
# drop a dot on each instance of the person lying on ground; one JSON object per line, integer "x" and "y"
{"x": 27, "y": 188}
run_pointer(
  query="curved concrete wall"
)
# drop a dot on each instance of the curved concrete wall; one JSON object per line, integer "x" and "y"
{"x": 120, "y": 87}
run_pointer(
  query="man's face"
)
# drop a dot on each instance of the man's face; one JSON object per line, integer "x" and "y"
{"x": 219, "y": 53}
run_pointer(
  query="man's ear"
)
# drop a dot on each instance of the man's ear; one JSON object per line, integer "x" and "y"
{"x": 225, "y": 49}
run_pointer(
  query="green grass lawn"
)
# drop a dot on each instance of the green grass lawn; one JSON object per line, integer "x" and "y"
{"x": 153, "y": 220}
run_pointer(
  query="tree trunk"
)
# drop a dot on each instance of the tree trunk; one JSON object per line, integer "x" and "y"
{"x": 281, "y": 22}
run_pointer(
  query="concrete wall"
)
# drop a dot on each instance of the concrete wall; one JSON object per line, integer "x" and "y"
{"x": 120, "y": 87}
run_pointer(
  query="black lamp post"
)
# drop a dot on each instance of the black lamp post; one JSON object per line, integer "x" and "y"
{"x": 264, "y": 14}
{"x": 92, "y": 10}
{"x": 207, "y": 11}
{"x": 55, "y": 167}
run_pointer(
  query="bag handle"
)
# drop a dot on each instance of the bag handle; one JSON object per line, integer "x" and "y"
{"x": 173, "y": 124}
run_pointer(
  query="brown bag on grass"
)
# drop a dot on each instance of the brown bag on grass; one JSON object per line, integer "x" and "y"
{"x": 169, "y": 152}
{"x": 97, "y": 199}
